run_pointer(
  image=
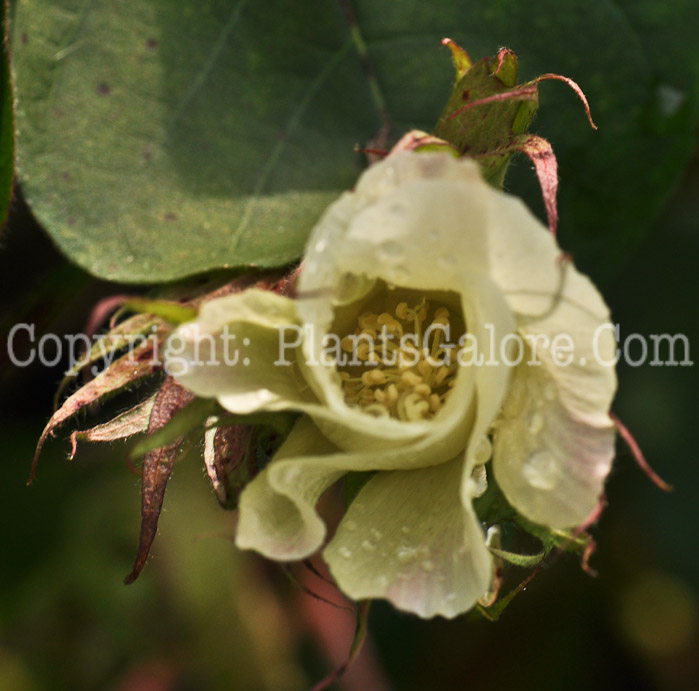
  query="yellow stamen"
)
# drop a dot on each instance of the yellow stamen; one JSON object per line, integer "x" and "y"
{"x": 393, "y": 377}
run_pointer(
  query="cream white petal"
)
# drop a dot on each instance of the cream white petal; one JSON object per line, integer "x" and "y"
{"x": 493, "y": 321}
{"x": 230, "y": 351}
{"x": 284, "y": 525}
{"x": 555, "y": 441}
{"x": 550, "y": 463}
{"x": 277, "y": 509}
{"x": 551, "y": 299}
{"x": 417, "y": 221}
{"x": 408, "y": 538}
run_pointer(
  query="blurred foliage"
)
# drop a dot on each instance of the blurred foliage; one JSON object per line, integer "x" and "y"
{"x": 169, "y": 138}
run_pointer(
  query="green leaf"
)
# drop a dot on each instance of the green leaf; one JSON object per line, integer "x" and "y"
{"x": 165, "y": 138}
{"x": 6, "y": 127}
{"x": 162, "y": 139}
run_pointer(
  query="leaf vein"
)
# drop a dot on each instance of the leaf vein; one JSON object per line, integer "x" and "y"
{"x": 294, "y": 119}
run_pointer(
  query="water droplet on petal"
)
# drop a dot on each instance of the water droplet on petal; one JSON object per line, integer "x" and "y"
{"x": 450, "y": 597}
{"x": 427, "y": 565}
{"x": 406, "y": 554}
{"x": 351, "y": 525}
{"x": 405, "y": 529}
{"x": 376, "y": 534}
{"x": 345, "y": 552}
{"x": 536, "y": 423}
{"x": 541, "y": 470}
{"x": 320, "y": 246}
{"x": 368, "y": 546}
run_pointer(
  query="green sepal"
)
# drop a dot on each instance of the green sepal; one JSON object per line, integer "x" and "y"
{"x": 172, "y": 312}
{"x": 526, "y": 561}
{"x": 478, "y": 127}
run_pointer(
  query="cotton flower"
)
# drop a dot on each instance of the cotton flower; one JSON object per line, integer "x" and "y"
{"x": 422, "y": 244}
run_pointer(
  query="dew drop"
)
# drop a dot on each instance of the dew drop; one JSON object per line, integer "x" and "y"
{"x": 351, "y": 525}
{"x": 345, "y": 552}
{"x": 376, "y": 534}
{"x": 427, "y": 565}
{"x": 450, "y": 597}
{"x": 536, "y": 423}
{"x": 406, "y": 554}
{"x": 320, "y": 246}
{"x": 405, "y": 529}
{"x": 540, "y": 470}
{"x": 368, "y": 546}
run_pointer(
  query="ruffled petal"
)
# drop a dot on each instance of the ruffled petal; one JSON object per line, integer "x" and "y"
{"x": 550, "y": 299}
{"x": 232, "y": 352}
{"x": 554, "y": 441}
{"x": 408, "y": 538}
{"x": 277, "y": 509}
{"x": 277, "y": 515}
{"x": 550, "y": 463}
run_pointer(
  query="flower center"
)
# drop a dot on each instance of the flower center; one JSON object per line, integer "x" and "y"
{"x": 402, "y": 363}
